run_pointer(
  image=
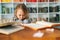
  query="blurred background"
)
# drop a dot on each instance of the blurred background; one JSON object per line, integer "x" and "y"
{"x": 47, "y": 9}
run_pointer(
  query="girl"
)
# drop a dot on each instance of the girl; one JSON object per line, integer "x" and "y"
{"x": 21, "y": 14}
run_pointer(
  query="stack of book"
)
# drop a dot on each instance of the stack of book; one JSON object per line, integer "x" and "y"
{"x": 18, "y": 0}
{"x": 42, "y": 0}
{"x": 5, "y": 10}
{"x": 43, "y": 10}
{"x": 53, "y": 0}
{"x": 55, "y": 19}
{"x": 32, "y": 10}
{"x": 6, "y": 0}
{"x": 54, "y": 9}
{"x": 31, "y": 0}
{"x": 10, "y": 29}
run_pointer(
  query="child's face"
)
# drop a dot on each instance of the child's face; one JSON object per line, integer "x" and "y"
{"x": 20, "y": 14}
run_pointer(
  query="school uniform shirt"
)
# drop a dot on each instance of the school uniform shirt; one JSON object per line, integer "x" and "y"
{"x": 24, "y": 21}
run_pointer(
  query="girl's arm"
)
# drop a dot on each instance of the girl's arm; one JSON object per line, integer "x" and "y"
{"x": 41, "y": 19}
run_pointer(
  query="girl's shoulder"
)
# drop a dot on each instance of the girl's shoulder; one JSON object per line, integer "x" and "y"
{"x": 29, "y": 20}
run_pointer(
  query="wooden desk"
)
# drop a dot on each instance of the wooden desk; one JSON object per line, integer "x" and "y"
{"x": 27, "y": 34}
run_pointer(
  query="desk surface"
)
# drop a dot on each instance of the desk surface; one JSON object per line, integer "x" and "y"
{"x": 27, "y": 34}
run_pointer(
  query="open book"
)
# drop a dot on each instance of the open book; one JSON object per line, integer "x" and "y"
{"x": 39, "y": 25}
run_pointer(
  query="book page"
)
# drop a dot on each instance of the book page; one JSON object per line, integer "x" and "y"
{"x": 49, "y": 24}
{"x": 35, "y": 26}
{"x": 45, "y": 23}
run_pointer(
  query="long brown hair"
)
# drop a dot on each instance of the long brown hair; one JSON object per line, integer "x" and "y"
{"x": 24, "y": 9}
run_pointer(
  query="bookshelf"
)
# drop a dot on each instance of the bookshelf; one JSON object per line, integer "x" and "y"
{"x": 47, "y": 9}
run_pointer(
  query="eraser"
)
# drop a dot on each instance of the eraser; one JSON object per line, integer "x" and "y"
{"x": 38, "y": 34}
{"x": 50, "y": 30}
